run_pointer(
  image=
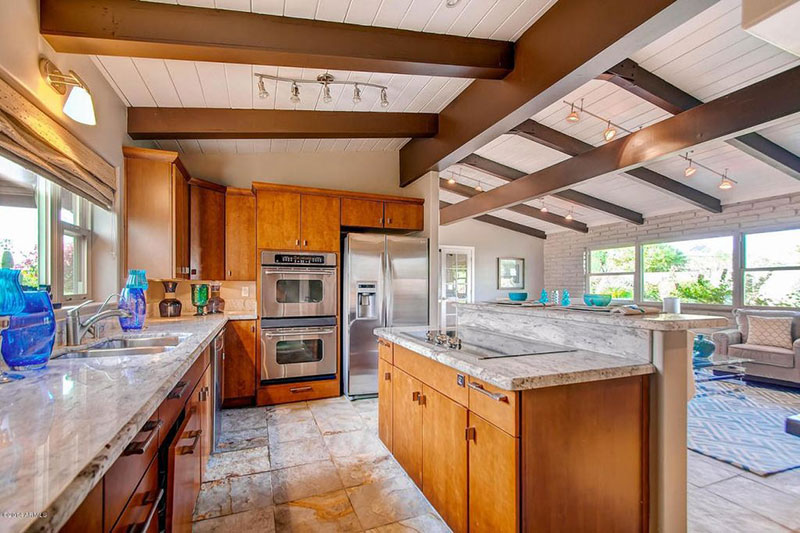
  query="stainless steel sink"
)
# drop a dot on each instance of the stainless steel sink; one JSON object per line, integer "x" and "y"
{"x": 115, "y": 352}
{"x": 137, "y": 342}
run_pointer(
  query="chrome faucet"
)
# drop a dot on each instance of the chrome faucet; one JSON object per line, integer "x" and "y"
{"x": 76, "y": 328}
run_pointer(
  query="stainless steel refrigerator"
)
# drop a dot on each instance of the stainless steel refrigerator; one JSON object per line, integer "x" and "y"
{"x": 385, "y": 283}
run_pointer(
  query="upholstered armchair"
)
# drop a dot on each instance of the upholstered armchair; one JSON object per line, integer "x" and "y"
{"x": 770, "y": 363}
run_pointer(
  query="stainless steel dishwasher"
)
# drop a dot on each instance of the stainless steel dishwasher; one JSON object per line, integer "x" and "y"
{"x": 218, "y": 376}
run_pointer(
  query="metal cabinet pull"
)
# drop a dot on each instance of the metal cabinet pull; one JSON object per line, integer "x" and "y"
{"x": 296, "y": 390}
{"x": 421, "y": 399}
{"x": 305, "y": 243}
{"x": 185, "y": 450}
{"x": 178, "y": 391}
{"x": 297, "y": 242}
{"x": 388, "y": 220}
{"x": 415, "y": 396}
{"x": 385, "y": 344}
{"x": 496, "y": 396}
{"x": 470, "y": 434}
{"x": 387, "y": 376}
{"x": 146, "y": 524}
{"x": 138, "y": 448}
{"x": 380, "y": 220}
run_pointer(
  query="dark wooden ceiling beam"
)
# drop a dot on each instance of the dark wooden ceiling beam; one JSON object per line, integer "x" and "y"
{"x": 155, "y": 30}
{"x": 570, "y": 44}
{"x": 147, "y": 123}
{"x": 731, "y": 115}
{"x": 633, "y": 78}
{"x": 510, "y": 174}
{"x": 522, "y": 209}
{"x": 569, "y": 145}
{"x": 503, "y": 223}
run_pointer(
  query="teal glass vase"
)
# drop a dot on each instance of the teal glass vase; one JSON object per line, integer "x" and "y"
{"x": 12, "y": 301}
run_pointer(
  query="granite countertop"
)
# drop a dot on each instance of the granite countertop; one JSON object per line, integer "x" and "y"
{"x": 525, "y": 372}
{"x": 62, "y": 427}
{"x": 659, "y": 322}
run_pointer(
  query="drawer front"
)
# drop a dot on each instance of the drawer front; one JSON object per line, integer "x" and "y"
{"x": 141, "y": 513}
{"x": 498, "y": 406}
{"x": 177, "y": 397}
{"x": 385, "y": 350}
{"x": 444, "y": 379}
{"x": 123, "y": 476}
{"x": 297, "y": 392}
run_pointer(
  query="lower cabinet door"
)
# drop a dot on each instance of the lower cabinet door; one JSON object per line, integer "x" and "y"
{"x": 385, "y": 402}
{"x": 493, "y": 477}
{"x": 444, "y": 457}
{"x": 205, "y": 399}
{"x": 407, "y": 442}
{"x": 141, "y": 512}
{"x": 88, "y": 518}
{"x": 183, "y": 483}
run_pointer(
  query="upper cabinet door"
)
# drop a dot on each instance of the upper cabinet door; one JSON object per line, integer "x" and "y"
{"x": 362, "y": 213}
{"x": 404, "y": 216}
{"x": 278, "y": 220}
{"x": 207, "y": 232}
{"x": 320, "y": 223}
{"x": 180, "y": 195}
{"x": 240, "y": 236}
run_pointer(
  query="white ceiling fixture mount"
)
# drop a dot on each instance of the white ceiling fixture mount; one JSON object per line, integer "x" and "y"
{"x": 326, "y": 80}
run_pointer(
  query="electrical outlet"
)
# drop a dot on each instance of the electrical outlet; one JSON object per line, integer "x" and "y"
{"x": 245, "y": 292}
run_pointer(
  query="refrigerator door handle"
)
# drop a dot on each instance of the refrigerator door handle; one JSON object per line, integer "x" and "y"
{"x": 387, "y": 290}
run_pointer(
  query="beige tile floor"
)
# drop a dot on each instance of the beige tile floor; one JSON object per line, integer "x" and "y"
{"x": 309, "y": 467}
{"x": 319, "y": 467}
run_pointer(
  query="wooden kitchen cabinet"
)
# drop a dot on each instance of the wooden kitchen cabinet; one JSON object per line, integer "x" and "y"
{"x": 88, "y": 517}
{"x": 493, "y": 477}
{"x": 360, "y": 213}
{"x": 385, "y": 371}
{"x": 156, "y": 213}
{"x": 404, "y": 216}
{"x": 319, "y": 223}
{"x": 240, "y": 235}
{"x": 140, "y": 513}
{"x": 407, "y": 444}
{"x": 184, "y": 471}
{"x": 239, "y": 364}
{"x": 207, "y": 230}
{"x": 444, "y": 457}
{"x": 205, "y": 400}
{"x": 278, "y": 220}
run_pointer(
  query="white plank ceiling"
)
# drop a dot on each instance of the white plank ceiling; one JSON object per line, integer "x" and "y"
{"x": 708, "y": 57}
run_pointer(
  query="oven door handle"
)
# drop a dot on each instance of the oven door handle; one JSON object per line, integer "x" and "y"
{"x": 299, "y": 333}
{"x": 321, "y": 271}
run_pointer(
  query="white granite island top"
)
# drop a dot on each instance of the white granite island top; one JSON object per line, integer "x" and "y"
{"x": 62, "y": 427}
{"x": 659, "y": 322}
{"x": 525, "y": 372}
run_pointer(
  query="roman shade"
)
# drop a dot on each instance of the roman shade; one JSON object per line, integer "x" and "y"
{"x": 32, "y": 139}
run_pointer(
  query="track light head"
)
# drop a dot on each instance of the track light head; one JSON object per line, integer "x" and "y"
{"x": 726, "y": 183}
{"x": 262, "y": 89}
{"x": 295, "y": 91}
{"x": 543, "y": 209}
{"x": 568, "y": 216}
{"x": 689, "y": 170}
{"x": 479, "y": 188}
{"x": 326, "y": 94}
{"x": 573, "y": 115}
{"x": 384, "y": 98}
{"x": 610, "y": 132}
{"x": 451, "y": 181}
{"x": 356, "y": 94}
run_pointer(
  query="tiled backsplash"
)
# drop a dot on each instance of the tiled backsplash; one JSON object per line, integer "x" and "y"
{"x": 231, "y": 292}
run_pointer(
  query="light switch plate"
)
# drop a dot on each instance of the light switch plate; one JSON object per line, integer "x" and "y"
{"x": 245, "y": 292}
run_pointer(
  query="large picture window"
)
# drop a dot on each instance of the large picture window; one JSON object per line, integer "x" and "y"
{"x": 772, "y": 269}
{"x": 696, "y": 271}
{"x": 612, "y": 271}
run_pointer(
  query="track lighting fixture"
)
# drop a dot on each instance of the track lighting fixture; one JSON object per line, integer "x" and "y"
{"x": 573, "y": 115}
{"x": 478, "y": 187}
{"x": 610, "y": 132}
{"x": 295, "y": 92}
{"x": 262, "y": 89}
{"x": 726, "y": 183}
{"x": 326, "y": 80}
{"x": 568, "y": 216}
{"x": 79, "y": 105}
{"x": 543, "y": 209}
{"x": 451, "y": 181}
{"x": 689, "y": 170}
{"x": 451, "y": 3}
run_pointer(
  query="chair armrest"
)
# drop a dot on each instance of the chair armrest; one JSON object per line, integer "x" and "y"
{"x": 796, "y": 345}
{"x": 724, "y": 338}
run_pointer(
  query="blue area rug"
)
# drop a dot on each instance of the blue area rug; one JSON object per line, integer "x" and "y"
{"x": 746, "y": 429}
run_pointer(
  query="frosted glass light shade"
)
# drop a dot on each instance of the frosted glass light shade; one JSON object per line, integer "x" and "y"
{"x": 79, "y": 106}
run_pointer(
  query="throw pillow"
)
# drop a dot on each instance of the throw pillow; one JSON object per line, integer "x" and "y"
{"x": 770, "y": 331}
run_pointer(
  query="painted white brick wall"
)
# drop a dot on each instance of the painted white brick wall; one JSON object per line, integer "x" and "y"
{"x": 565, "y": 252}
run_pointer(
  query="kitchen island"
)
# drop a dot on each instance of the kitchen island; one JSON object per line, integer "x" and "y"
{"x": 62, "y": 428}
{"x": 587, "y": 434}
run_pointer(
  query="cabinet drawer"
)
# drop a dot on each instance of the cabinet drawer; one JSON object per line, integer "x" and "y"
{"x": 297, "y": 392}
{"x": 444, "y": 379}
{"x": 385, "y": 350}
{"x": 498, "y": 406}
{"x": 123, "y": 476}
{"x": 183, "y": 471}
{"x": 176, "y": 399}
{"x": 141, "y": 513}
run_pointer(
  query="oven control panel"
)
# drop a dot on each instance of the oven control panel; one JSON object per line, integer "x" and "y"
{"x": 288, "y": 258}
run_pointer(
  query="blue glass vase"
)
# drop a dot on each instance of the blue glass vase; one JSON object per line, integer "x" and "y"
{"x": 28, "y": 341}
{"x": 133, "y": 300}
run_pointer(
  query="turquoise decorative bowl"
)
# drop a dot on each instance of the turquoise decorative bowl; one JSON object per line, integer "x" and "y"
{"x": 597, "y": 300}
{"x": 517, "y": 296}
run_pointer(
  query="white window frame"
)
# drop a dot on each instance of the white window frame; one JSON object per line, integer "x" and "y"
{"x": 633, "y": 273}
{"x": 743, "y": 270}
{"x": 81, "y": 230}
{"x": 469, "y": 251}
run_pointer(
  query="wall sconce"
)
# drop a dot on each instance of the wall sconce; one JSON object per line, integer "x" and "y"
{"x": 79, "y": 106}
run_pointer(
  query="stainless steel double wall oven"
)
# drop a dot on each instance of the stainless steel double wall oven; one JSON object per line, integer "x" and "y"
{"x": 299, "y": 335}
